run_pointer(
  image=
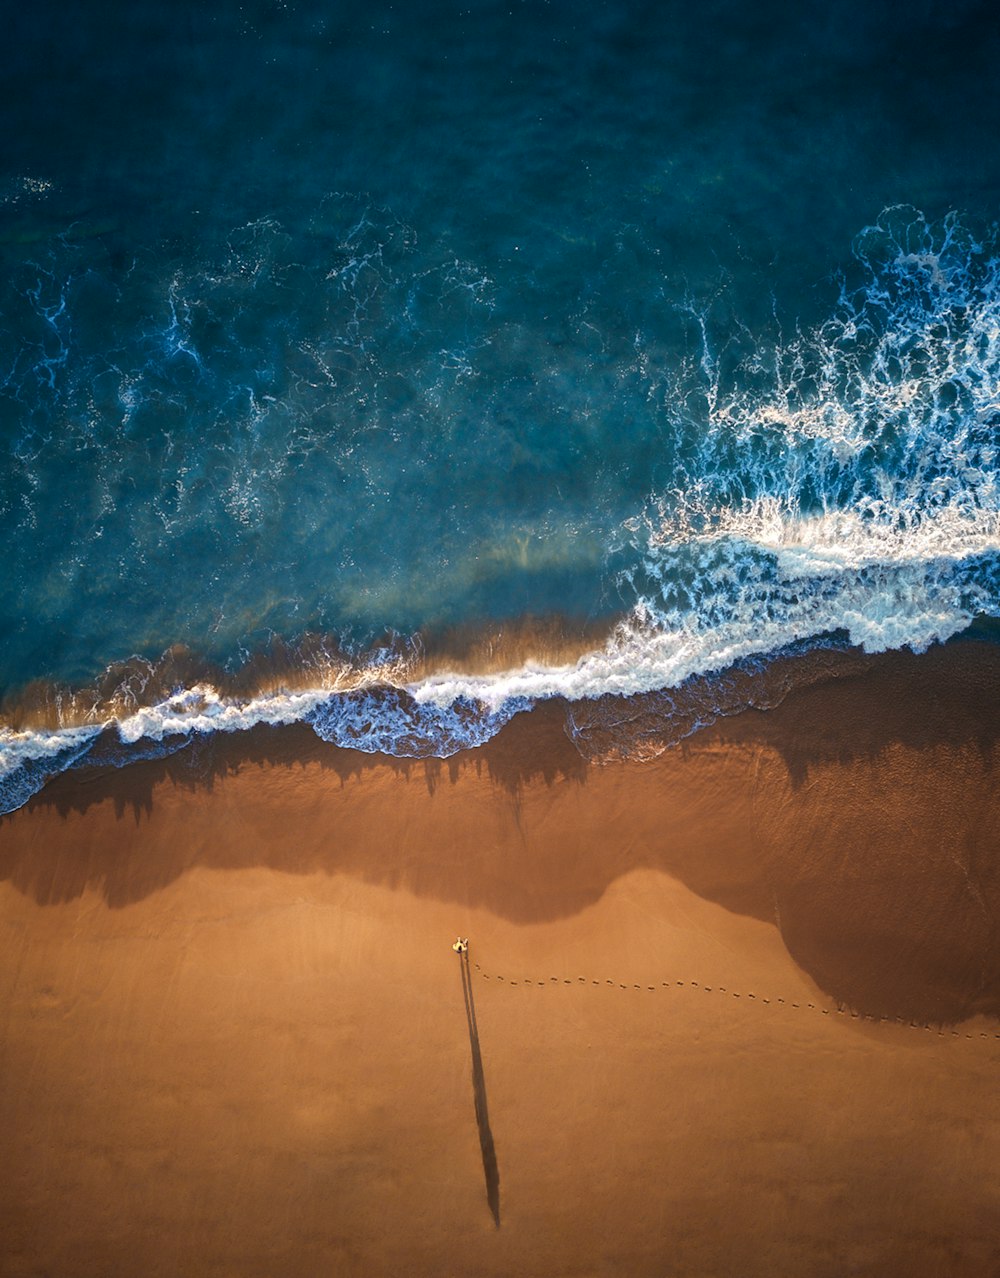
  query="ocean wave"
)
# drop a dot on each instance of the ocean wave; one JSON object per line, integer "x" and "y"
{"x": 31, "y": 757}
{"x": 846, "y": 479}
{"x": 628, "y": 699}
{"x": 842, "y": 482}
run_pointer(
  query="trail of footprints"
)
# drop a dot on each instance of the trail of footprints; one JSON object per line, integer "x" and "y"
{"x": 721, "y": 989}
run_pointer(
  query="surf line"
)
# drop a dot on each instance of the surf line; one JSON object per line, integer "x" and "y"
{"x": 722, "y": 989}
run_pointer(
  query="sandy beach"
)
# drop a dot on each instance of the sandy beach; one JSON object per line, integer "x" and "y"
{"x": 732, "y": 1010}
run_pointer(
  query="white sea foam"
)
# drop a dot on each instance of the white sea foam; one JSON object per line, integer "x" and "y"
{"x": 203, "y": 709}
{"x": 29, "y": 757}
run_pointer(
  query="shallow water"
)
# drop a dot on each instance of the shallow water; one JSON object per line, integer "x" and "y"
{"x": 324, "y": 334}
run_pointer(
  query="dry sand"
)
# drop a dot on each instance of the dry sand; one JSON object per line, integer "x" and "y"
{"x": 235, "y": 1040}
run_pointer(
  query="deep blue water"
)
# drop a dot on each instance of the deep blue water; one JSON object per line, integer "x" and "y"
{"x": 325, "y": 333}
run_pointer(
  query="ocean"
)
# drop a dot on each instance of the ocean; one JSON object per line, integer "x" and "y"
{"x": 393, "y": 369}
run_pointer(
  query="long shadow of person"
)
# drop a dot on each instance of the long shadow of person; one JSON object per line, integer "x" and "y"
{"x": 490, "y": 1169}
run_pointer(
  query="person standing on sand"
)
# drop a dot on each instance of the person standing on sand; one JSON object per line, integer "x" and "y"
{"x": 461, "y": 945}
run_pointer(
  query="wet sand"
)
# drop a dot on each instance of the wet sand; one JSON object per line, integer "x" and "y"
{"x": 729, "y": 1011}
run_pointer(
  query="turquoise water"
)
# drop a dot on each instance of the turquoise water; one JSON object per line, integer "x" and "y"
{"x": 322, "y": 334}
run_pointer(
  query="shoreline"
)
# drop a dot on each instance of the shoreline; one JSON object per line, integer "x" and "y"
{"x": 433, "y": 699}
{"x": 521, "y": 659}
{"x": 311, "y": 664}
{"x": 235, "y": 1037}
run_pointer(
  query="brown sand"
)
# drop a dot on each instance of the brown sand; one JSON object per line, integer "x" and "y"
{"x": 235, "y": 1040}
